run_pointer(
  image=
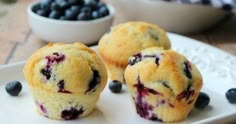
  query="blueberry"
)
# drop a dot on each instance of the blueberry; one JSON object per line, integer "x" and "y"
{"x": 103, "y": 11}
{"x": 13, "y": 88}
{"x": 45, "y": 6}
{"x": 206, "y": 2}
{"x": 54, "y": 14}
{"x": 73, "y": 2}
{"x": 202, "y": 100}
{"x": 100, "y": 4}
{"x": 62, "y": 18}
{"x": 86, "y": 9}
{"x": 75, "y": 8}
{"x": 95, "y": 15}
{"x": 36, "y": 7}
{"x": 64, "y": 5}
{"x": 94, "y": 82}
{"x": 91, "y": 3}
{"x": 59, "y": 1}
{"x": 115, "y": 86}
{"x": 42, "y": 13}
{"x": 46, "y": 1}
{"x": 55, "y": 6}
{"x": 70, "y": 15}
{"x": 72, "y": 113}
{"x": 227, "y": 7}
{"x": 231, "y": 95}
{"x": 84, "y": 16}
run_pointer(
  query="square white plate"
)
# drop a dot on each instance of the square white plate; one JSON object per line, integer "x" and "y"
{"x": 217, "y": 67}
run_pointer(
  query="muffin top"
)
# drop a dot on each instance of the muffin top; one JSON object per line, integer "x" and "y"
{"x": 66, "y": 68}
{"x": 163, "y": 71}
{"x": 128, "y": 38}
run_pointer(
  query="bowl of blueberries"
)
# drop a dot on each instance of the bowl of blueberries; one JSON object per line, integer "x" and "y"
{"x": 70, "y": 20}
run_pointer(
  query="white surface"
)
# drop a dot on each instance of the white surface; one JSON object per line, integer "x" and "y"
{"x": 217, "y": 67}
{"x": 174, "y": 17}
{"x": 53, "y": 30}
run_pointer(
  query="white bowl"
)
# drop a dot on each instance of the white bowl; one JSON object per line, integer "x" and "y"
{"x": 51, "y": 30}
{"x": 174, "y": 17}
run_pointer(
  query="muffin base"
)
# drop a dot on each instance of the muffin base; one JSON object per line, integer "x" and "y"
{"x": 63, "y": 106}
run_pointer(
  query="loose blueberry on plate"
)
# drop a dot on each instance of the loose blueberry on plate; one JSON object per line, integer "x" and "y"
{"x": 115, "y": 86}
{"x": 231, "y": 95}
{"x": 13, "y": 88}
{"x": 202, "y": 100}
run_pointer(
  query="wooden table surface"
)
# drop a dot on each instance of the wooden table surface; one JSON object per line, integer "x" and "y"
{"x": 17, "y": 42}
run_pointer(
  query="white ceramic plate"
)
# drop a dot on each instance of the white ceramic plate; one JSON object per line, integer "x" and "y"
{"x": 217, "y": 67}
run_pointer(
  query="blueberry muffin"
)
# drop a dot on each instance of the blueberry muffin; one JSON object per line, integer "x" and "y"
{"x": 116, "y": 46}
{"x": 65, "y": 80}
{"x": 164, "y": 85}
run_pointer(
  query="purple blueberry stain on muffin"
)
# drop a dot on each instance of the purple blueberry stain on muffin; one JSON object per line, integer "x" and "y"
{"x": 171, "y": 105}
{"x": 165, "y": 102}
{"x": 95, "y": 81}
{"x": 155, "y": 118}
{"x": 61, "y": 87}
{"x": 42, "y": 108}
{"x": 139, "y": 57}
{"x": 55, "y": 58}
{"x": 186, "y": 94}
{"x": 143, "y": 91}
{"x": 160, "y": 102}
{"x": 46, "y": 72}
{"x": 143, "y": 108}
{"x": 72, "y": 113}
{"x": 135, "y": 59}
{"x": 190, "y": 101}
{"x": 187, "y": 69}
{"x": 153, "y": 56}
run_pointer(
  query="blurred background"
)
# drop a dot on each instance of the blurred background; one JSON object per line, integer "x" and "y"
{"x": 205, "y": 20}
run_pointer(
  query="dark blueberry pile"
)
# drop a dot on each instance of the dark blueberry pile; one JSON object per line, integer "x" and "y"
{"x": 71, "y": 9}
